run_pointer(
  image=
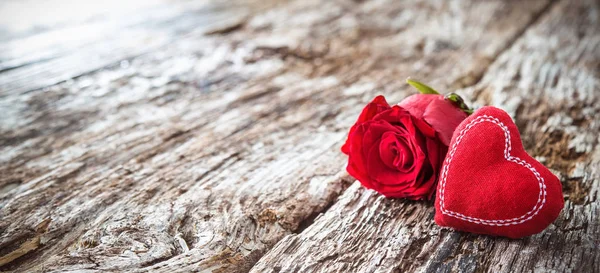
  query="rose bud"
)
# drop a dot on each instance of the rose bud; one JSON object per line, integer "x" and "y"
{"x": 442, "y": 114}
{"x": 398, "y": 151}
{"x": 394, "y": 152}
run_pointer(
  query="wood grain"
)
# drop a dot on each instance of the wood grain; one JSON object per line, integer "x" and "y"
{"x": 209, "y": 149}
{"x": 61, "y": 53}
{"x": 548, "y": 79}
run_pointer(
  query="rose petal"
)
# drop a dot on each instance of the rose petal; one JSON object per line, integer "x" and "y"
{"x": 444, "y": 117}
{"x": 376, "y": 106}
{"x": 379, "y": 172}
{"x": 388, "y": 150}
{"x": 406, "y": 151}
{"x": 417, "y": 104}
{"x": 356, "y": 160}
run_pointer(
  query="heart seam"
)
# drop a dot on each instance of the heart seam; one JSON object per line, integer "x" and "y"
{"x": 507, "y": 148}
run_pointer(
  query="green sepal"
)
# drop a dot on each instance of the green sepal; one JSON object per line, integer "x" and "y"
{"x": 458, "y": 102}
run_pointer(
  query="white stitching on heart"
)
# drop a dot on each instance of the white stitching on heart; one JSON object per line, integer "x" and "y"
{"x": 507, "y": 148}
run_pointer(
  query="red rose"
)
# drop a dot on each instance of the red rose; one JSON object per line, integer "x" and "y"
{"x": 394, "y": 152}
{"x": 438, "y": 112}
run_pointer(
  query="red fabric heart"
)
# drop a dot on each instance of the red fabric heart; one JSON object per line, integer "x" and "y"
{"x": 490, "y": 185}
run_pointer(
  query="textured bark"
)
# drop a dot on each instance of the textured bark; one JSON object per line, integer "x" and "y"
{"x": 548, "y": 79}
{"x": 221, "y": 140}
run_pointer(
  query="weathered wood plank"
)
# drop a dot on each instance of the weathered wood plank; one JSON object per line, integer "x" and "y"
{"x": 44, "y": 59}
{"x": 26, "y": 18}
{"x": 56, "y": 38}
{"x": 204, "y": 154}
{"x": 549, "y": 81}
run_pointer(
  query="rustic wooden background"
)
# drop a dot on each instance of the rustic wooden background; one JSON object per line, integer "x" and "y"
{"x": 179, "y": 136}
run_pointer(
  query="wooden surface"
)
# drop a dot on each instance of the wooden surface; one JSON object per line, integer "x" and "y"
{"x": 184, "y": 136}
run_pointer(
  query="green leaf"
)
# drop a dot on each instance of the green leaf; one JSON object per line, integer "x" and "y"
{"x": 423, "y": 88}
